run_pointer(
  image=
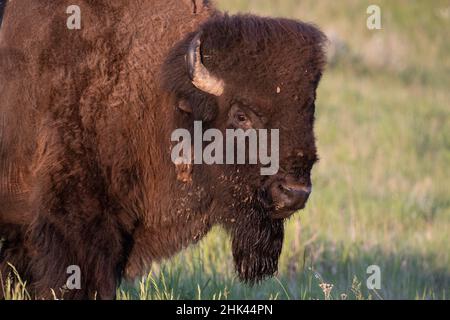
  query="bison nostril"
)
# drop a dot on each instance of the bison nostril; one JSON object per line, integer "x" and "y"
{"x": 289, "y": 195}
{"x": 296, "y": 194}
{"x": 295, "y": 189}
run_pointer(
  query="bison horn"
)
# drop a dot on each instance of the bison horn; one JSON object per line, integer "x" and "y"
{"x": 200, "y": 76}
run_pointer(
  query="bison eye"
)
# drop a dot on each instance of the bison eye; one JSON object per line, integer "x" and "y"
{"x": 241, "y": 117}
{"x": 241, "y": 120}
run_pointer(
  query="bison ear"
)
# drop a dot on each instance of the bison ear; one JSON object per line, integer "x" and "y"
{"x": 201, "y": 108}
{"x": 184, "y": 106}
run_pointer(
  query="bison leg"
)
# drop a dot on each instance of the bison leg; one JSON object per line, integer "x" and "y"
{"x": 78, "y": 240}
{"x": 76, "y": 261}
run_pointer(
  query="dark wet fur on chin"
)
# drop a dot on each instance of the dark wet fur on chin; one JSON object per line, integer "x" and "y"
{"x": 257, "y": 241}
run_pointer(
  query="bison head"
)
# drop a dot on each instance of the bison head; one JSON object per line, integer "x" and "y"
{"x": 246, "y": 72}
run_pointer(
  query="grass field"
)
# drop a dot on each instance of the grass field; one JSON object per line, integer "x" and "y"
{"x": 382, "y": 188}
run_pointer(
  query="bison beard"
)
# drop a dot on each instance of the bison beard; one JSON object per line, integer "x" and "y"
{"x": 257, "y": 241}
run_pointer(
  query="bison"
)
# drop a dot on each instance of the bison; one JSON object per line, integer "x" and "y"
{"x": 86, "y": 116}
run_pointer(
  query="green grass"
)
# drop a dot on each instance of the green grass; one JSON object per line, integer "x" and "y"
{"x": 381, "y": 190}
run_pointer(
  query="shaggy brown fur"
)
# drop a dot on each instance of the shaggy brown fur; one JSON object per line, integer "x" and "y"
{"x": 85, "y": 122}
